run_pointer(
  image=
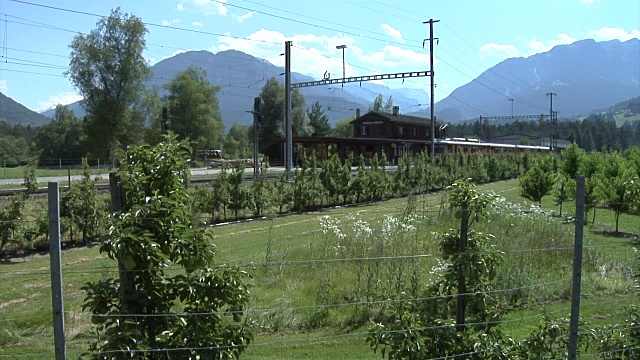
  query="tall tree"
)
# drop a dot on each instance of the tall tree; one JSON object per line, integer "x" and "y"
{"x": 344, "y": 128}
{"x": 377, "y": 103}
{"x": 318, "y": 120}
{"x": 193, "y": 108}
{"x": 388, "y": 105}
{"x": 108, "y": 69}
{"x": 61, "y": 139}
{"x": 63, "y": 113}
{"x": 238, "y": 143}
{"x": 272, "y": 127}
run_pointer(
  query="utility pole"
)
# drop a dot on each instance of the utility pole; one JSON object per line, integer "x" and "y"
{"x": 343, "y": 67}
{"x": 433, "y": 84}
{"x": 288, "y": 150}
{"x": 56, "y": 271}
{"x": 551, "y": 120}
{"x": 511, "y": 100}
{"x": 577, "y": 270}
{"x": 257, "y": 119}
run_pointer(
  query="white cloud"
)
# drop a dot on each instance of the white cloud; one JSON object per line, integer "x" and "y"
{"x": 390, "y": 31}
{"x": 309, "y": 54}
{"x": 609, "y": 33}
{"x": 197, "y": 24}
{"x": 589, "y": 1}
{"x": 241, "y": 18}
{"x": 3, "y": 86}
{"x": 409, "y": 56}
{"x": 538, "y": 46}
{"x": 314, "y": 55}
{"x": 171, "y": 22}
{"x": 53, "y": 100}
{"x": 499, "y": 50}
{"x": 207, "y": 7}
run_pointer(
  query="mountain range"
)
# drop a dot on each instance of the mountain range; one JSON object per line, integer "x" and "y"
{"x": 242, "y": 76}
{"x": 585, "y": 75}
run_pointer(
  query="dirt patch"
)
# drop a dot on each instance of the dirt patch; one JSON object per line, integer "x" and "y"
{"x": 17, "y": 301}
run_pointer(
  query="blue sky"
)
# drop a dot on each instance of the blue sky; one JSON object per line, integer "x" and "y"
{"x": 381, "y": 36}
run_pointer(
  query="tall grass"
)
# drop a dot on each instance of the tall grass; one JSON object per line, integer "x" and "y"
{"x": 357, "y": 268}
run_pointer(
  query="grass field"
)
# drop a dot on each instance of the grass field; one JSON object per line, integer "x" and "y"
{"x": 18, "y": 172}
{"x": 620, "y": 118}
{"x": 286, "y": 257}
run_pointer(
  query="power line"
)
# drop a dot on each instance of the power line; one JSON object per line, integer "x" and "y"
{"x": 317, "y": 19}
{"x": 309, "y": 24}
{"x": 145, "y": 23}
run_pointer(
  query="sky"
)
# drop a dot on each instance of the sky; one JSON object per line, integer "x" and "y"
{"x": 381, "y": 36}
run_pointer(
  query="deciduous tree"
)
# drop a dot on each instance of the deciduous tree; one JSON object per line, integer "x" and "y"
{"x": 273, "y": 101}
{"x": 108, "y": 69}
{"x": 193, "y": 108}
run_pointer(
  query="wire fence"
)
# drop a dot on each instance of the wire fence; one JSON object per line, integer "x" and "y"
{"x": 337, "y": 266}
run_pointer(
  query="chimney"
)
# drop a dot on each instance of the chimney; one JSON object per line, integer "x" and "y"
{"x": 357, "y": 113}
{"x": 396, "y": 110}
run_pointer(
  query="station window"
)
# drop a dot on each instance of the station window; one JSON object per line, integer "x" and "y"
{"x": 363, "y": 130}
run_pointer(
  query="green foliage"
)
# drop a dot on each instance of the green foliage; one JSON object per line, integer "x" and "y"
{"x": 343, "y": 128}
{"x": 62, "y": 137}
{"x": 193, "y": 108}
{"x": 14, "y": 151}
{"x": 108, "y": 70}
{"x": 11, "y": 228}
{"x": 564, "y": 189}
{"x": 261, "y": 190}
{"x": 424, "y": 329}
{"x": 307, "y": 187}
{"x": 318, "y": 121}
{"x": 571, "y": 159}
{"x": 272, "y": 127}
{"x": 80, "y": 204}
{"x": 330, "y": 176}
{"x": 283, "y": 195}
{"x": 612, "y": 184}
{"x": 167, "y": 267}
{"x": 238, "y": 191}
{"x": 30, "y": 182}
{"x": 238, "y": 143}
{"x": 538, "y": 180}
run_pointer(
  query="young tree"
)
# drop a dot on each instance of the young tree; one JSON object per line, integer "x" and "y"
{"x": 564, "y": 189}
{"x": 318, "y": 120}
{"x": 168, "y": 275}
{"x": 238, "y": 192}
{"x": 193, "y": 108}
{"x": 613, "y": 184}
{"x": 81, "y": 205}
{"x": 571, "y": 159}
{"x": 108, "y": 69}
{"x": 538, "y": 181}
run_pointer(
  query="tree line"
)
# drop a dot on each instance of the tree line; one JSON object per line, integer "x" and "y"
{"x": 107, "y": 68}
{"x": 595, "y": 132}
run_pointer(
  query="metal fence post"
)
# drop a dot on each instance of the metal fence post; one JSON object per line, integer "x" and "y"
{"x": 577, "y": 270}
{"x": 56, "y": 271}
